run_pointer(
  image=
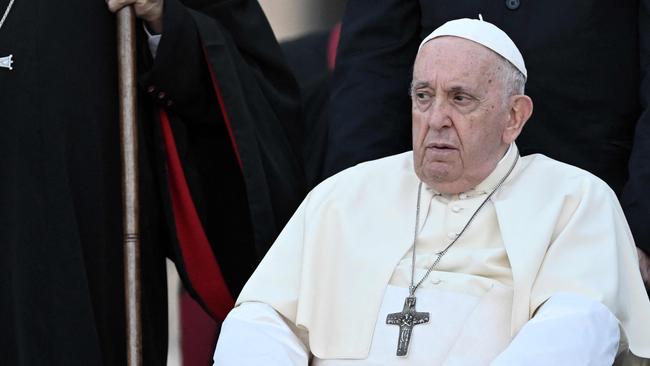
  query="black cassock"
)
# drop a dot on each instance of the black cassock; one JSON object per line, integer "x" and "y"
{"x": 219, "y": 165}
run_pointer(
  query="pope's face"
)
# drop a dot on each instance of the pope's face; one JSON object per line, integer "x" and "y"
{"x": 459, "y": 114}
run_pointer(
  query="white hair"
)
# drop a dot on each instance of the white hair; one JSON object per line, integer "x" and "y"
{"x": 514, "y": 81}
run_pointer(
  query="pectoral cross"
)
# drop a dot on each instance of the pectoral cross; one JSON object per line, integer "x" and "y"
{"x": 6, "y": 62}
{"x": 406, "y": 319}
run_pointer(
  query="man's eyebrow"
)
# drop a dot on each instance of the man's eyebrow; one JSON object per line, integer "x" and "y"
{"x": 419, "y": 84}
{"x": 459, "y": 89}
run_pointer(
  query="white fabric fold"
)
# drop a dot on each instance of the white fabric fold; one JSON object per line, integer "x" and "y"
{"x": 567, "y": 330}
{"x": 254, "y": 334}
{"x": 153, "y": 40}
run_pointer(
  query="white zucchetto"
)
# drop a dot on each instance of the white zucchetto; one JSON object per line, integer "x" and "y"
{"x": 484, "y": 33}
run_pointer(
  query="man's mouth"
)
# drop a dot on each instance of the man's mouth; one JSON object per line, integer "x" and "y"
{"x": 440, "y": 146}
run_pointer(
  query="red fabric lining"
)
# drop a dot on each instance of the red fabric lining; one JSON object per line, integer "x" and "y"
{"x": 332, "y": 46}
{"x": 222, "y": 105}
{"x": 198, "y": 333}
{"x": 200, "y": 262}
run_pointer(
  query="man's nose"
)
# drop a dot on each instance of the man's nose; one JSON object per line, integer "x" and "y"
{"x": 439, "y": 115}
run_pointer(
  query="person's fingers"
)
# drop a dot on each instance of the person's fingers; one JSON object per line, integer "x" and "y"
{"x": 115, "y": 5}
{"x": 148, "y": 10}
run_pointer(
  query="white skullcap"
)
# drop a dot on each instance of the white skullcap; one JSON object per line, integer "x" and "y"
{"x": 484, "y": 33}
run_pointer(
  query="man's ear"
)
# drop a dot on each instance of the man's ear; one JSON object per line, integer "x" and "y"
{"x": 521, "y": 108}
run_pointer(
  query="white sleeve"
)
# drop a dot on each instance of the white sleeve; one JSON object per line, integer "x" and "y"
{"x": 254, "y": 334}
{"x": 153, "y": 40}
{"x": 567, "y": 330}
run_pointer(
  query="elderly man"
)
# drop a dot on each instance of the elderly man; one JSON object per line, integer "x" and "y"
{"x": 458, "y": 253}
{"x": 586, "y": 114}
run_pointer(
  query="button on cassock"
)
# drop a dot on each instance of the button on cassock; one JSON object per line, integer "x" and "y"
{"x": 513, "y": 4}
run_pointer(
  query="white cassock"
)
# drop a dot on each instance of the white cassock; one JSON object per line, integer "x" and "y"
{"x": 546, "y": 273}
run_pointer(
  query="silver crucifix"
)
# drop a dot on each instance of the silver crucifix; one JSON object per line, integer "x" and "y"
{"x": 406, "y": 319}
{"x": 6, "y": 62}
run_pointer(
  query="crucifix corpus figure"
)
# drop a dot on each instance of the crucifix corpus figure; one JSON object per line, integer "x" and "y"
{"x": 406, "y": 319}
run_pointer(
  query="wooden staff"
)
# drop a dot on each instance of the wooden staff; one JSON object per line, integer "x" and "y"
{"x": 129, "y": 139}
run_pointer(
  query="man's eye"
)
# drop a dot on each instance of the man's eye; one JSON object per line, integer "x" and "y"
{"x": 421, "y": 95}
{"x": 462, "y": 98}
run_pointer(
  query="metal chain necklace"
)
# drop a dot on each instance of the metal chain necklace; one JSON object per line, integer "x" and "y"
{"x": 5, "y": 62}
{"x": 408, "y": 317}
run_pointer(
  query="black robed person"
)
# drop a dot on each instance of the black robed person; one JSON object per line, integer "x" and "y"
{"x": 219, "y": 123}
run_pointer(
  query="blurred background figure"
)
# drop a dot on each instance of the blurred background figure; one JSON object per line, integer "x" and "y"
{"x": 312, "y": 58}
{"x": 308, "y": 34}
